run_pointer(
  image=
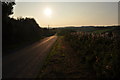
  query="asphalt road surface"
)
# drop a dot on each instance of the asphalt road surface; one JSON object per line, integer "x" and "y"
{"x": 26, "y": 63}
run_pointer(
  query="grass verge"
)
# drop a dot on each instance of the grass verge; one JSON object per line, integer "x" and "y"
{"x": 63, "y": 62}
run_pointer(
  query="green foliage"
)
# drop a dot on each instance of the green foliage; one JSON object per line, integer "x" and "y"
{"x": 100, "y": 52}
{"x": 103, "y": 30}
{"x": 61, "y": 32}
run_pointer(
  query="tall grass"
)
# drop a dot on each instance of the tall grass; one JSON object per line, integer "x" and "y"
{"x": 100, "y": 52}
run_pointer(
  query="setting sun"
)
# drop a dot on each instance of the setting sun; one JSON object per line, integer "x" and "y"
{"x": 48, "y": 11}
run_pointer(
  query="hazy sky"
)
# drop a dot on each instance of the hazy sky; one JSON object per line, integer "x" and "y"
{"x": 69, "y": 13}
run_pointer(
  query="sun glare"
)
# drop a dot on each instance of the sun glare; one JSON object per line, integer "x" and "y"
{"x": 48, "y": 11}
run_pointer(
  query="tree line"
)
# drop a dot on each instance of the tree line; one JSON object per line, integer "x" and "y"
{"x": 21, "y": 30}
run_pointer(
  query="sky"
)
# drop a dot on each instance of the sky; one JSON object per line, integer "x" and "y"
{"x": 69, "y": 13}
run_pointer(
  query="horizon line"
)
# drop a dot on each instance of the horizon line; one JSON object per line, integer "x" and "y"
{"x": 80, "y": 26}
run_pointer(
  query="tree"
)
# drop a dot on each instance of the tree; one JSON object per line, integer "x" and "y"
{"x": 7, "y": 8}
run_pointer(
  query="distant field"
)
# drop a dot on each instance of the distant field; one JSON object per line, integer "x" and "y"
{"x": 87, "y": 29}
{"x": 103, "y": 30}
